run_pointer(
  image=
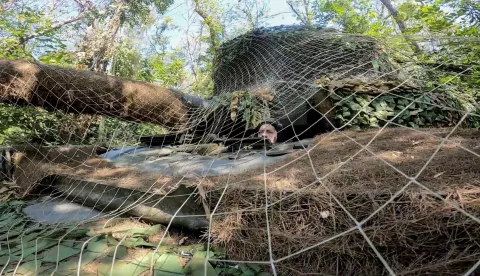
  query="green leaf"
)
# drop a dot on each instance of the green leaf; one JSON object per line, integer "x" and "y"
{"x": 69, "y": 243}
{"x": 29, "y": 268}
{"x": 88, "y": 257}
{"x": 111, "y": 240}
{"x": 32, "y": 236}
{"x": 120, "y": 268}
{"x": 120, "y": 253}
{"x": 8, "y": 259}
{"x": 136, "y": 242}
{"x": 412, "y": 124}
{"x": 35, "y": 247}
{"x": 169, "y": 263}
{"x": 246, "y": 271}
{"x": 13, "y": 233}
{"x": 7, "y": 219}
{"x": 354, "y": 106}
{"x": 219, "y": 252}
{"x": 59, "y": 253}
{"x": 146, "y": 259}
{"x": 363, "y": 102}
{"x": 382, "y": 115}
{"x": 97, "y": 246}
{"x": 415, "y": 112}
{"x": 198, "y": 265}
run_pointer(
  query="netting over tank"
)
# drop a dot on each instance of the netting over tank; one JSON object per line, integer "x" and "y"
{"x": 287, "y": 60}
{"x": 392, "y": 189}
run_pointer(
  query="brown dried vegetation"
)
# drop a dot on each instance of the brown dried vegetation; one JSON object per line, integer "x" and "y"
{"x": 420, "y": 213}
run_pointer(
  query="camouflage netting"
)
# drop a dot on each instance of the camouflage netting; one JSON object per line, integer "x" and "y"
{"x": 391, "y": 200}
{"x": 287, "y": 62}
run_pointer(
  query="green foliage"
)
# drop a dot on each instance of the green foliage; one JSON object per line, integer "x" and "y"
{"x": 449, "y": 66}
{"x": 356, "y": 17}
{"x": 203, "y": 85}
{"x": 41, "y": 249}
{"x": 166, "y": 69}
{"x": 118, "y": 132}
{"x": 60, "y": 58}
{"x": 126, "y": 61}
{"x": 412, "y": 110}
{"x": 244, "y": 104}
{"x": 35, "y": 125}
{"x": 138, "y": 11}
{"x": 19, "y": 26}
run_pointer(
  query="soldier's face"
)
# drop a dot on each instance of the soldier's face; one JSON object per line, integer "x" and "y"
{"x": 268, "y": 132}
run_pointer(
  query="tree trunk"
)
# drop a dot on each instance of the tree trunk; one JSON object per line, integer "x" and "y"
{"x": 101, "y": 55}
{"x": 401, "y": 25}
{"x": 211, "y": 24}
{"x": 82, "y": 92}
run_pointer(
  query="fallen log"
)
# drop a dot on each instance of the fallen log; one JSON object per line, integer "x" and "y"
{"x": 84, "y": 92}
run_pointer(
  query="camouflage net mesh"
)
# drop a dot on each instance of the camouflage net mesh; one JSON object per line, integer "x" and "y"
{"x": 209, "y": 197}
{"x": 287, "y": 61}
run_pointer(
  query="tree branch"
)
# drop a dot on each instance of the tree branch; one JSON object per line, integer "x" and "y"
{"x": 210, "y": 24}
{"x": 297, "y": 13}
{"x": 401, "y": 25}
{"x": 7, "y": 6}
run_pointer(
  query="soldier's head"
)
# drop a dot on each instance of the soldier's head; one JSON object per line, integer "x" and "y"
{"x": 268, "y": 132}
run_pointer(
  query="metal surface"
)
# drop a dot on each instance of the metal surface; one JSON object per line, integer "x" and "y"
{"x": 58, "y": 210}
{"x": 171, "y": 161}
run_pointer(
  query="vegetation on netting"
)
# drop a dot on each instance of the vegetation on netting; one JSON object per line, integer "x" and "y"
{"x": 412, "y": 110}
{"x": 241, "y": 103}
{"x": 36, "y": 248}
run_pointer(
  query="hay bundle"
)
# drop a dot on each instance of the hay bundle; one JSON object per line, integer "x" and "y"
{"x": 416, "y": 232}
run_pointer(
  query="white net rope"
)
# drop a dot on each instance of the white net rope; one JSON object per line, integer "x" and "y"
{"x": 211, "y": 197}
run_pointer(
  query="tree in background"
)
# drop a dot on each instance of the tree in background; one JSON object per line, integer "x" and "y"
{"x": 29, "y": 28}
{"x": 211, "y": 13}
{"x": 103, "y": 29}
{"x": 305, "y": 11}
{"x": 131, "y": 39}
{"x": 253, "y": 12}
{"x": 47, "y": 32}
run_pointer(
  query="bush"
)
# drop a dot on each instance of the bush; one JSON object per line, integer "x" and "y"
{"x": 35, "y": 125}
{"x": 413, "y": 110}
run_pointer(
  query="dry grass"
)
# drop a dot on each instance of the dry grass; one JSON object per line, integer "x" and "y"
{"x": 315, "y": 197}
{"x": 417, "y": 232}
{"x": 36, "y": 163}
